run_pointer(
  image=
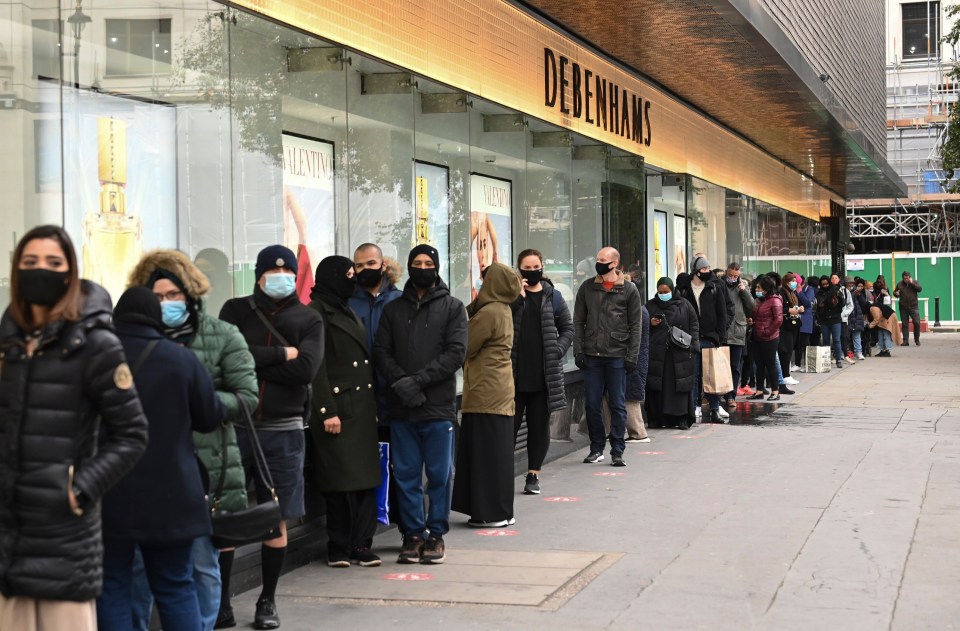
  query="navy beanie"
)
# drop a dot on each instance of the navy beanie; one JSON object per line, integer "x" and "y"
{"x": 274, "y": 256}
{"x": 423, "y": 248}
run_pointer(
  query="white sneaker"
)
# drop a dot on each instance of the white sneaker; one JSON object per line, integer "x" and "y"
{"x": 723, "y": 413}
{"x": 790, "y": 381}
{"x": 698, "y": 412}
{"x": 849, "y": 361}
{"x": 860, "y": 356}
{"x": 794, "y": 368}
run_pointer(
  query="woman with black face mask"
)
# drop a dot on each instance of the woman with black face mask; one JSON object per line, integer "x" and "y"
{"x": 72, "y": 427}
{"x": 542, "y": 333}
{"x": 343, "y": 425}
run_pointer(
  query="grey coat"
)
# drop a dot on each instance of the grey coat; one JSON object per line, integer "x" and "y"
{"x": 743, "y": 306}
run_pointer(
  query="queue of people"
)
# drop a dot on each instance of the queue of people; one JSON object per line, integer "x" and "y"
{"x": 131, "y": 432}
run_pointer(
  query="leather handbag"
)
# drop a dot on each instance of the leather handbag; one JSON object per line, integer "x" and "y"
{"x": 255, "y": 523}
{"x": 678, "y": 338}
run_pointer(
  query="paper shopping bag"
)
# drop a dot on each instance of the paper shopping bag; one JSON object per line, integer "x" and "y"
{"x": 717, "y": 378}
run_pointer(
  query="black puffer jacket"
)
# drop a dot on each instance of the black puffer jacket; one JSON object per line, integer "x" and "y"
{"x": 679, "y": 313}
{"x": 53, "y": 406}
{"x": 425, "y": 339}
{"x": 557, "y": 329}
{"x": 714, "y": 311}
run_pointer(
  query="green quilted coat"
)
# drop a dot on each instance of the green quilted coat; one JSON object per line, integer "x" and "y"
{"x": 222, "y": 349}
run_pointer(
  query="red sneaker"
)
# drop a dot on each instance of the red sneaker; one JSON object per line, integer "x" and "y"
{"x": 747, "y": 391}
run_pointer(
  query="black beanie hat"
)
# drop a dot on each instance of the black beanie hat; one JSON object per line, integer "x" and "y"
{"x": 423, "y": 248}
{"x": 138, "y": 305}
{"x": 275, "y": 256}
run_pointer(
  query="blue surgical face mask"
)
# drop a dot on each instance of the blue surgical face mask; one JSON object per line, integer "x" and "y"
{"x": 174, "y": 312}
{"x": 665, "y": 297}
{"x": 792, "y": 284}
{"x": 758, "y": 294}
{"x": 280, "y": 285}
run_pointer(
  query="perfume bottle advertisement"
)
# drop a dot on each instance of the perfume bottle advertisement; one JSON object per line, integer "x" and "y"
{"x": 491, "y": 225}
{"x": 659, "y": 243}
{"x": 431, "y": 221}
{"x": 679, "y": 244}
{"x": 120, "y": 189}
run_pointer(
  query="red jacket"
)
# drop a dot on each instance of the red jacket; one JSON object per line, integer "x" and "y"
{"x": 767, "y": 318}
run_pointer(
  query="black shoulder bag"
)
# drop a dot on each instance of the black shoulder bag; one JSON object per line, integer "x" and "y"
{"x": 256, "y": 523}
{"x": 677, "y": 337}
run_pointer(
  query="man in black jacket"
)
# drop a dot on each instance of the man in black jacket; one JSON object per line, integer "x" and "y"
{"x": 907, "y": 290}
{"x": 607, "y": 327}
{"x": 286, "y": 341}
{"x": 714, "y": 311}
{"x": 419, "y": 347}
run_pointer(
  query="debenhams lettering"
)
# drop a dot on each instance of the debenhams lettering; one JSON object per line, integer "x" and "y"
{"x": 595, "y": 100}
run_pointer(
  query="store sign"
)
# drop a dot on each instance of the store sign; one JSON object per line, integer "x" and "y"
{"x": 855, "y": 265}
{"x": 594, "y": 99}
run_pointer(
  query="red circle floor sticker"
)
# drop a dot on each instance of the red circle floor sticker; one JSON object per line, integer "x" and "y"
{"x": 498, "y": 533}
{"x": 561, "y": 499}
{"x": 408, "y": 576}
{"x": 609, "y": 474}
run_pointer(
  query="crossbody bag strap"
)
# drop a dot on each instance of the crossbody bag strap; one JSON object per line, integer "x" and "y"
{"x": 218, "y": 496}
{"x": 259, "y": 460}
{"x": 266, "y": 322}
{"x": 138, "y": 364}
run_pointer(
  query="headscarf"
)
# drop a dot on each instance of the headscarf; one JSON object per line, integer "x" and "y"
{"x": 331, "y": 283}
{"x": 138, "y": 305}
{"x": 665, "y": 280}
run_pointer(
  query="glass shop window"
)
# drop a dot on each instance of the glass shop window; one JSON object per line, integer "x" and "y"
{"x": 138, "y": 47}
{"x": 921, "y": 30}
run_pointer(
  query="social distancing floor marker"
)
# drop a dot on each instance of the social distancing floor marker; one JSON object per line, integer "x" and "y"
{"x": 609, "y": 474}
{"x": 650, "y": 453}
{"x": 497, "y": 533}
{"x": 408, "y": 576}
{"x": 561, "y": 499}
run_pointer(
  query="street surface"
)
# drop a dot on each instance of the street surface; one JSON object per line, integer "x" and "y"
{"x": 839, "y": 510}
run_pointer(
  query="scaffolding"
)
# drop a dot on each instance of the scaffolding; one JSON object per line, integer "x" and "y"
{"x": 920, "y": 94}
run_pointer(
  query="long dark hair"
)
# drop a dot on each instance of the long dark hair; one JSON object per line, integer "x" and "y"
{"x": 791, "y": 295}
{"x": 70, "y": 306}
{"x": 768, "y": 285}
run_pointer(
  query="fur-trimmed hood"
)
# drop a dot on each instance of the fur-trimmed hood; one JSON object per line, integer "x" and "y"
{"x": 394, "y": 272}
{"x": 194, "y": 281}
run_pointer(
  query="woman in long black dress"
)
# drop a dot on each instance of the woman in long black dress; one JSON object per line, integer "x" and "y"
{"x": 671, "y": 373}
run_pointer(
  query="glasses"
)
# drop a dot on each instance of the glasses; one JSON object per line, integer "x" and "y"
{"x": 172, "y": 296}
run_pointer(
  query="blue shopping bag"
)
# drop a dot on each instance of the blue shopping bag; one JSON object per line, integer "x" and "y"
{"x": 383, "y": 491}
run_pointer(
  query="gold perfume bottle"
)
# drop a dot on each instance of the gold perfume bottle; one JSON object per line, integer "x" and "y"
{"x": 111, "y": 238}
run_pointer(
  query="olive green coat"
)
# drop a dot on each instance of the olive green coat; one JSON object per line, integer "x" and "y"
{"x": 222, "y": 349}
{"x": 350, "y": 460}
{"x": 488, "y": 386}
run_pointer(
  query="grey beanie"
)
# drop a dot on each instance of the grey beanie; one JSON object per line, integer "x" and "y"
{"x": 699, "y": 263}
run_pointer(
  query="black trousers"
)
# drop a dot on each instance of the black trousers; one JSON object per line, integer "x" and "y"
{"x": 905, "y": 316}
{"x": 764, "y": 357}
{"x": 351, "y": 520}
{"x": 803, "y": 341}
{"x": 536, "y": 407}
{"x": 788, "y": 338}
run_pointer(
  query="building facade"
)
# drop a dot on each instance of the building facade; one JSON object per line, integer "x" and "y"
{"x": 483, "y": 127}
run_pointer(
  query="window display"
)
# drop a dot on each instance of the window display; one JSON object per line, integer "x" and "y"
{"x": 491, "y": 215}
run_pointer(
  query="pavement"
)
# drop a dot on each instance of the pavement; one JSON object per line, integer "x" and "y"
{"x": 839, "y": 509}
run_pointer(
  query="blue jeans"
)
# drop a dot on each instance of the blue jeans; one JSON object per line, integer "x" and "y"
{"x": 832, "y": 330}
{"x": 170, "y": 575}
{"x": 776, "y": 361}
{"x": 206, "y": 576}
{"x": 714, "y": 399}
{"x": 856, "y": 336}
{"x": 885, "y": 340}
{"x": 606, "y": 375}
{"x": 417, "y": 446}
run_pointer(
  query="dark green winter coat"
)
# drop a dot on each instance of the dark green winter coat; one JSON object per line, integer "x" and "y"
{"x": 223, "y": 351}
{"x": 350, "y": 460}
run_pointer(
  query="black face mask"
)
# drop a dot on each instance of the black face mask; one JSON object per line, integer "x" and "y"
{"x": 369, "y": 277}
{"x": 423, "y": 277}
{"x": 704, "y": 276}
{"x": 532, "y": 276}
{"x": 42, "y": 287}
{"x": 343, "y": 287}
{"x": 602, "y": 268}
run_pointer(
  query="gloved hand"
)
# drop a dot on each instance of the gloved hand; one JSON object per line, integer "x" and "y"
{"x": 630, "y": 366}
{"x": 416, "y": 401}
{"x": 581, "y": 361}
{"x": 407, "y": 388}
